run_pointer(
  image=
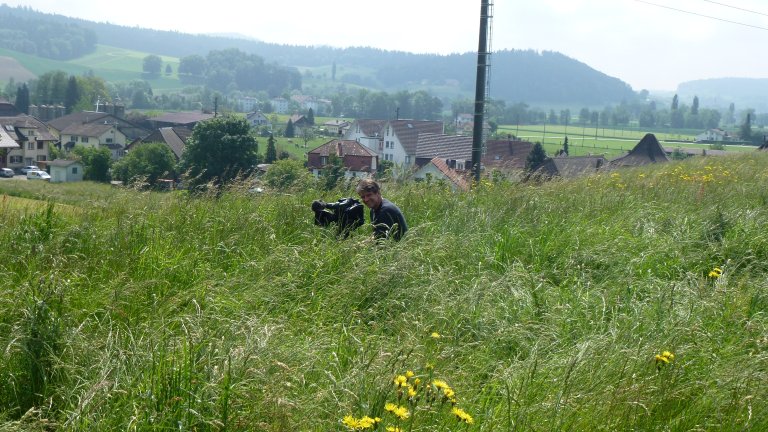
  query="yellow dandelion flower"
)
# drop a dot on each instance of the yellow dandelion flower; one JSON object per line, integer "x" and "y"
{"x": 435, "y": 335}
{"x": 668, "y": 355}
{"x": 366, "y": 423}
{"x": 394, "y": 429}
{"x": 416, "y": 382}
{"x": 411, "y": 392}
{"x": 462, "y": 415}
{"x": 716, "y": 272}
{"x": 440, "y": 384}
{"x": 401, "y": 381}
{"x": 409, "y": 374}
{"x": 350, "y": 422}
{"x": 400, "y": 412}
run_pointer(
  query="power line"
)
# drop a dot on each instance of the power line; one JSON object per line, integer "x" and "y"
{"x": 703, "y": 16}
{"x": 735, "y": 7}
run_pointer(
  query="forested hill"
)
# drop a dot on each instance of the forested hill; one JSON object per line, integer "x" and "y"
{"x": 746, "y": 92}
{"x": 517, "y": 75}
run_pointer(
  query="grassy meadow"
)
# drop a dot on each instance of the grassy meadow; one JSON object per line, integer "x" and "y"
{"x": 633, "y": 300}
{"x": 606, "y": 141}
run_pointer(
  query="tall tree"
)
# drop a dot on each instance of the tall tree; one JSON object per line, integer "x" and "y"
{"x": 271, "y": 155}
{"x": 97, "y": 162}
{"x": 72, "y": 96}
{"x": 152, "y": 65}
{"x": 535, "y": 158}
{"x": 311, "y": 116}
{"x": 22, "y": 99}
{"x": 149, "y": 162}
{"x": 290, "y": 131}
{"x": 695, "y": 106}
{"x": 745, "y": 131}
{"x": 219, "y": 150}
{"x": 674, "y": 102}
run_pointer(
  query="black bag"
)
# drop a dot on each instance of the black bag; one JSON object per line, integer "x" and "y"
{"x": 347, "y": 213}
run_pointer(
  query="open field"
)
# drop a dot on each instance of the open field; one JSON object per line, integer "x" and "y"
{"x": 110, "y": 63}
{"x": 606, "y": 141}
{"x": 531, "y": 307}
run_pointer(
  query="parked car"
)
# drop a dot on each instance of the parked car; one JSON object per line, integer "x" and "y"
{"x": 29, "y": 168}
{"x": 6, "y": 172}
{"x": 38, "y": 175}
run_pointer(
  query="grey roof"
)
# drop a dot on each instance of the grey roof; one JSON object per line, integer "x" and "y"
{"x": 88, "y": 129}
{"x": 174, "y": 137}
{"x": 6, "y": 140}
{"x": 371, "y": 127}
{"x": 8, "y": 109}
{"x": 647, "y": 151}
{"x": 182, "y": 118}
{"x": 408, "y": 131}
{"x": 63, "y": 162}
{"x": 78, "y": 118}
{"x": 26, "y": 122}
{"x": 456, "y": 147}
{"x": 568, "y": 167}
{"x": 506, "y": 153}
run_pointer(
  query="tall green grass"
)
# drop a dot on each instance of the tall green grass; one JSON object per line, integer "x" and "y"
{"x": 235, "y": 312}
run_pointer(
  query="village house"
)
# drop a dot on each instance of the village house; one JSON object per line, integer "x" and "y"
{"x": 131, "y": 131}
{"x": 506, "y": 155}
{"x": 647, "y": 151}
{"x": 713, "y": 135}
{"x": 358, "y": 160}
{"x": 454, "y": 150}
{"x": 95, "y": 135}
{"x": 437, "y": 169}
{"x": 257, "y": 119}
{"x": 395, "y": 140}
{"x": 336, "y": 127}
{"x": 300, "y": 122}
{"x": 33, "y": 138}
{"x": 280, "y": 105}
{"x": 173, "y": 137}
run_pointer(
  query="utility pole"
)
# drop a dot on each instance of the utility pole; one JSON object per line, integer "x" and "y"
{"x": 480, "y": 88}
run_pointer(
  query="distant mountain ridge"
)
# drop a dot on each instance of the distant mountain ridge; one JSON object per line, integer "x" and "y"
{"x": 517, "y": 75}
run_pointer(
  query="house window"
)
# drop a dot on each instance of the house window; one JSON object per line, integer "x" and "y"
{"x": 84, "y": 139}
{"x": 323, "y": 160}
{"x": 15, "y": 159}
{"x": 407, "y": 159}
{"x": 30, "y": 145}
{"x": 40, "y": 145}
{"x": 387, "y": 130}
{"x": 109, "y": 140}
{"x": 40, "y": 157}
{"x": 74, "y": 170}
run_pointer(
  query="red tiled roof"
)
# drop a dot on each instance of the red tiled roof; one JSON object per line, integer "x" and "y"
{"x": 347, "y": 147}
{"x": 450, "y": 174}
{"x": 371, "y": 127}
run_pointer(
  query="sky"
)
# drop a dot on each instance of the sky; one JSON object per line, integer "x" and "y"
{"x": 650, "y": 44}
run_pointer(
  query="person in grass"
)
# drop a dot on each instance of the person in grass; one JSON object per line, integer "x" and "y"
{"x": 387, "y": 219}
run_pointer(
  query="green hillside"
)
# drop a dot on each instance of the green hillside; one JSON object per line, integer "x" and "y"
{"x": 110, "y": 63}
{"x": 629, "y": 301}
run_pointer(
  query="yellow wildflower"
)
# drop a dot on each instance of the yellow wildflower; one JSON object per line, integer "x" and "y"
{"x": 440, "y": 384}
{"x": 409, "y": 374}
{"x": 435, "y": 335}
{"x": 400, "y": 412}
{"x": 716, "y": 272}
{"x": 664, "y": 359}
{"x": 401, "y": 381}
{"x": 411, "y": 392}
{"x": 462, "y": 415}
{"x": 394, "y": 429}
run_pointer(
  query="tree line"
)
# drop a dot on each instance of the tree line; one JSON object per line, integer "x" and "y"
{"x": 43, "y": 36}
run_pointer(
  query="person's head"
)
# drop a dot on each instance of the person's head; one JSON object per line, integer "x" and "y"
{"x": 370, "y": 193}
